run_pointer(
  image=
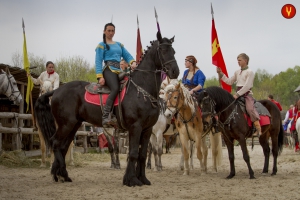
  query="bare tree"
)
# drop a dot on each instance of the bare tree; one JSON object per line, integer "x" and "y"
{"x": 17, "y": 59}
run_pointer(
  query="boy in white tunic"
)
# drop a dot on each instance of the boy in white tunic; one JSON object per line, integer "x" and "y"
{"x": 244, "y": 78}
{"x": 48, "y": 75}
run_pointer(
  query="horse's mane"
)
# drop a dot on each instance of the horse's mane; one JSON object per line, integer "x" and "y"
{"x": 154, "y": 44}
{"x": 188, "y": 99}
{"x": 219, "y": 95}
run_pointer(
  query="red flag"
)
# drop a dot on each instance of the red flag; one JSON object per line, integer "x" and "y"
{"x": 217, "y": 57}
{"x": 139, "y": 48}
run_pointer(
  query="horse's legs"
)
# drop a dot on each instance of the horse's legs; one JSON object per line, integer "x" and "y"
{"x": 230, "y": 149}
{"x": 159, "y": 150}
{"x": 43, "y": 149}
{"x": 274, "y": 138}
{"x": 141, "y": 163}
{"x": 246, "y": 156}
{"x": 61, "y": 142}
{"x": 154, "y": 150}
{"x": 264, "y": 142}
{"x": 110, "y": 146}
{"x": 185, "y": 151}
{"x": 69, "y": 156}
{"x": 116, "y": 148}
{"x": 191, "y": 148}
{"x": 130, "y": 177}
{"x": 149, "y": 155}
{"x": 204, "y": 154}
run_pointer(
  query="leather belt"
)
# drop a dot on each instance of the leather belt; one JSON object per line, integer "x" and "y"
{"x": 113, "y": 63}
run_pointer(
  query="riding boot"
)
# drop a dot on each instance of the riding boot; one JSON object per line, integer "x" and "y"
{"x": 258, "y": 129}
{"x": 106, "y": 122}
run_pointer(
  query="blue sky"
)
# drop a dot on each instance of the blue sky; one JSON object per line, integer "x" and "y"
{"x": 63, "y": 28}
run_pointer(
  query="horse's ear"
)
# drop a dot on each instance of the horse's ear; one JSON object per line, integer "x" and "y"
{"x": 41, "y": 82}
{"x": 172, "y": 39}
{"x": 177, "y": 86}
{"x": 2, "y": 72}
{"x": 158, "y": 36}
{"x": 205, "y": 93}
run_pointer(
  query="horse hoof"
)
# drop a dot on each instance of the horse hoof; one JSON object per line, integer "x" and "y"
{"x": 186, "y": 173}
{"x": 117, "y": 167}
{"x": 264, "y": 173}
{"x": 43, "y": 165}
{"x": 252, "y": 177}
{"x": 273, "y": 174}
{"x": 145, "y": 181}
{"x": 132, "y": 182}
{"x": 55, "y": 178}
{"x": 148, "y": 166}
{"x": 68, "y": 179}
{"x": 230, "y": 176}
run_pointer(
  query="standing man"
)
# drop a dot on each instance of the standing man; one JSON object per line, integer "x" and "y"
{"x": 271, "y": 98}
{"x": 244, "y": 78}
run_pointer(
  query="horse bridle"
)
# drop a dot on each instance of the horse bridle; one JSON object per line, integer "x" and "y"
{"x": 164, "y": 68}
{"x": 170, "y": 103}
{"x": 12, "y": 89}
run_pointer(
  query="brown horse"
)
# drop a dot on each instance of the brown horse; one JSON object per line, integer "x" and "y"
{"x": 216, "y": 101}
{"x": 188, "y": 122}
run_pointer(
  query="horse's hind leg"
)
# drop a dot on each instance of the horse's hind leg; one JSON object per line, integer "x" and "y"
{"x": 110, "y": 146}
{"x": 116, "y": 148}
{"x": 263, "y": 140}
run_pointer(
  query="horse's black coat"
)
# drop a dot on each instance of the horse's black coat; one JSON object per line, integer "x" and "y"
{"x": 69, "y": 109}
{"x": 222, "y": 102}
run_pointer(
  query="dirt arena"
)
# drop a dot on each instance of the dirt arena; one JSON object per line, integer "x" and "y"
{"x": 93, "y": 179}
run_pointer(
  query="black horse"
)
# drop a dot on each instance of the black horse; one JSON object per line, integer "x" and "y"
{"x": 139, "y": 107}
{"x": 216, "y": 101}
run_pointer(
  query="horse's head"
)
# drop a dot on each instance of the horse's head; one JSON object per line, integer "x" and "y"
{"x": 174, "y": 99}
{"x": 46, "y": 86}
{"x": 9, "y": 87}
{"x": 207, "y": 105}
{"x": 166, "y": 58}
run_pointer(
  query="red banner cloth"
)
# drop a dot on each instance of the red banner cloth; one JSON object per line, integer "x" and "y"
{"x": 217, "y": 57}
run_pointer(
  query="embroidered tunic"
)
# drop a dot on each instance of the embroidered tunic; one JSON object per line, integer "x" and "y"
{"x": 53, "y": 78}
{"x": 114, "y": 54}
{"x": 244, "y": 78}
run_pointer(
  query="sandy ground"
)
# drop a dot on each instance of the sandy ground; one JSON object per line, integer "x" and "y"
{"x": 95, "y": 180}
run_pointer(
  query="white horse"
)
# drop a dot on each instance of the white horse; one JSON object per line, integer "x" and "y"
{"x": 290, "y": 136}
{"x": 8, "y": 87}
{"x": 188, "y": 122}
{"x": 47, "y": 86}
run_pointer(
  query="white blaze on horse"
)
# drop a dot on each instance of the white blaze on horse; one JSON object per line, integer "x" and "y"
{"x": 8, "y": 87}
{"x": 47, "y": 86}
{"x": 188, "y": 121}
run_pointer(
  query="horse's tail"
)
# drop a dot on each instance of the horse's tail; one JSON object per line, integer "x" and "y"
{"x": 280, "y": 138}
{"x": 44, "y": 117}
{"x": 216, "y": 147}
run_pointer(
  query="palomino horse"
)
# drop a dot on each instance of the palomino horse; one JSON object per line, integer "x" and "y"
{"x": 8, "y": 87}
{"x": 47, "y": 86}
{"x": 188, "y": 122}
{"x": 216, "y": 101}
{"x": 140, "y": 112}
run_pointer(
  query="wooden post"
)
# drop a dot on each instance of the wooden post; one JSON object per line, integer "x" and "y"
{"x": 20, "y": 120}
{"x": 0, "y": 140}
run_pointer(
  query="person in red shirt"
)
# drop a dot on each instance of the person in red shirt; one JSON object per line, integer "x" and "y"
{"x": 271, "y": 98}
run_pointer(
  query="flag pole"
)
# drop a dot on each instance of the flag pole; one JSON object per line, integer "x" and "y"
{"x": 28, "y": 84}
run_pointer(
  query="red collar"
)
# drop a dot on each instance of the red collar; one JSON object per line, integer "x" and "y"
{"x": 50, "y": 73}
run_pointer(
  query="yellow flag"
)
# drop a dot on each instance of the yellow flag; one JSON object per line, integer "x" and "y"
{"x": 26, "y": 65}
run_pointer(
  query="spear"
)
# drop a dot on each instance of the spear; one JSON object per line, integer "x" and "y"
{"x": 156, "y": 20}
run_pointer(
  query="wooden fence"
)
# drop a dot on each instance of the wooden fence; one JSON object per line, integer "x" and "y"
{"x": 17, "y": 129}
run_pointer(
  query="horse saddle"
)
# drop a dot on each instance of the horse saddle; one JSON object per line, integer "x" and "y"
{"x": 263, "y": 112}
{"x": 96, "y": 88}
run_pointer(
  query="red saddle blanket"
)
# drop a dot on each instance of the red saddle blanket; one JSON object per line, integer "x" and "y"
{"x": 264, "y": 120}
{"x": 95, "y": 98}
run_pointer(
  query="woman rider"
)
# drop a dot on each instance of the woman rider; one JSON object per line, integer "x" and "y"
{"x": 111, "y": 53}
